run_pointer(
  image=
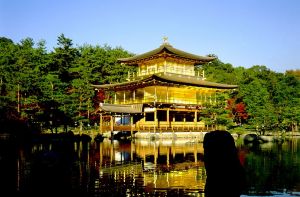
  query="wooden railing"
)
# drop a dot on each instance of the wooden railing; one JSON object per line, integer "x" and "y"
{"x": 170, "y": 126}
{"x": 150, "y": 126}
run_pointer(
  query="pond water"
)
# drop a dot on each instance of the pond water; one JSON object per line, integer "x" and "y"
{"x": 139, "y": 168}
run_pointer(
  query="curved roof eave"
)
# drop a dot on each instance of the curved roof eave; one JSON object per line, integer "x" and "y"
{"x": 172, "y": 78}
{"x": 170, "y": 49}
{"x": 193, "y": 81}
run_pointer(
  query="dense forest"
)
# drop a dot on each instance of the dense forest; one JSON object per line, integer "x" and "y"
{"x": 41, "y": 89}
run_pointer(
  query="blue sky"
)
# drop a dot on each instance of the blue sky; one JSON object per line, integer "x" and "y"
{"x": 240, "y": 32}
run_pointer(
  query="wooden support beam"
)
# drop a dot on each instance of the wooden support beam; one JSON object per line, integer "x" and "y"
{"x": 133, "y": 95}
{"x": 195, "y": 119}
{"x": 131, "y": 126}
{"x": 112, "y": 123}
{"x": 168, "y": 117}
{"x": 155, "y": 119}
{"x": 124, "y": 97}
{"x": 101, "y": 124}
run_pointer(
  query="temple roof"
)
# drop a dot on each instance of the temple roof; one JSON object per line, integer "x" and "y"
{"x": 166, "y": 50}
{"x": 167, "y": 78}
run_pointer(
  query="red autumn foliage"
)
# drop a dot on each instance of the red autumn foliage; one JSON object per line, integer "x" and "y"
{"x": 238, "y": 110}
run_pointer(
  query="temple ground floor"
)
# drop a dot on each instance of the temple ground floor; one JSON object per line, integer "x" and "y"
{"x": 152, "y": 122}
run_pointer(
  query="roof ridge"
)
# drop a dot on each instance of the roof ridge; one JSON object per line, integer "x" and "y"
{"x": 171, "y": 49}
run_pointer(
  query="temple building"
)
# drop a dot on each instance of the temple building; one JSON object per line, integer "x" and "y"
{"x": 165, "y": 95}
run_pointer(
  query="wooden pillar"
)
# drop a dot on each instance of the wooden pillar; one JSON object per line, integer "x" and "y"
{"x": 173, "y": 150}
{"x": 131, "y": 126}
{"x": 195, "y": 119}
{"x": 155, "y": 154}
{"x": 124, "y": 97}
{"x": 133, "y": 95}
{"x": 167, "y": 94}
{"x": 115, "y": 102}
{"x": 195, "y": 153}
{"x": 173, "y": 123}
{"x": 184, "y": 122}
{"x": 155, "y": 96}
{"x": 168, "y": 157}
{"x": 155, "y": 119}
{"x": 168, "y": 117}
{"x": 112, "y": 123}
{"x": 101, "y": 124}
{"x": 144, "y": 155}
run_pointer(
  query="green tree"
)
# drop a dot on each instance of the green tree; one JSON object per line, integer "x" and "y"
{"x": 8, "y": 98}
{"x": 259, "y": 106}
{"x": 63, "y": 57}
{"x": 287, "y": 101}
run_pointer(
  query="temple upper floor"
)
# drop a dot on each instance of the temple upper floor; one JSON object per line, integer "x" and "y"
{"x": 166, "y": 59}
{"x": 167, "y": 65}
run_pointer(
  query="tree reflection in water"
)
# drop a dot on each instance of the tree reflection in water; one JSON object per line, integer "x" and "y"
{"x": 273, "y": 168}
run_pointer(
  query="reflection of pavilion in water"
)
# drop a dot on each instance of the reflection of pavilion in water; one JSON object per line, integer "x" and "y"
{"x": 140, "y": 166}
{"x": 166, "y": 152}
{"x": 181, "y": 159}
{"x": 157, "y": 164}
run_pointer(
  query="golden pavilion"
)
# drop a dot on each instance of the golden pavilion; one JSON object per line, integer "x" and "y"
{"x": 165, "y": 95}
